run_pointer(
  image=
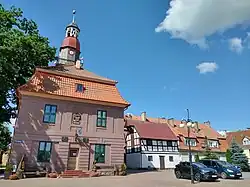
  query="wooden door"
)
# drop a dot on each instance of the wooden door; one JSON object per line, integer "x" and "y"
{"x": 162, "y": 162}
{"x": 73, "y": 154}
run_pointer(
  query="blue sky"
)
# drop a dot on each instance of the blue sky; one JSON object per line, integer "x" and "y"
{"x": 159, "y": 72}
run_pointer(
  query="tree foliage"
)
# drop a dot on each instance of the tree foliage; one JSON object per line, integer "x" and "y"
{"x": 197, "y": 158}
{"x": 5, "y": 137}
{"x": 22, "y": 48}
{"x": 228, "y": 156}
{"x": 238, "y": 157}
{"x": 208, "y": 153}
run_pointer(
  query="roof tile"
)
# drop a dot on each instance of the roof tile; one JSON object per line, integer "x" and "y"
{"x": 205, "y": 131}
{"x": 152, "y": 130}
{"x": 44, "y": 82}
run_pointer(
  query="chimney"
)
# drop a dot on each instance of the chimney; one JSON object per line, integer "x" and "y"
{"x": 207, "y": 123}
{"x": 171, "y": 122}
{"x": 78, "y": 64}
{"x": 143, "y": 116}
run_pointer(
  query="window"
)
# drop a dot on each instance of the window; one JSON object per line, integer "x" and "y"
{"x": 49, "y": 114}
{"x": 246, "y": 141}
{"x": 150, "y": 158}
{"x": 100, "y": 153}
{"x": 213, "y": 143}
{"x": 79, "y": 88}
{"x": 149, "y": 142}
{"x": 192, "y": 142}
{"x": 101, "y": 118}
{"x": 161, "y": 145}
{"x": 44, "y": 151}
{"x": 171, "y": 158}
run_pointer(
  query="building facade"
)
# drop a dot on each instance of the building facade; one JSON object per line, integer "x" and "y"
{"x": 68, "y": 117}
{"x": 150, "y": 145}
{"x": 243, "y": 139}
{"x": 201, "y": 136}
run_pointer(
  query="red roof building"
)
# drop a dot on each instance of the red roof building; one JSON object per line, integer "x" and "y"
{"x": 150, "y": 145}
{"x": 199, "y": 135}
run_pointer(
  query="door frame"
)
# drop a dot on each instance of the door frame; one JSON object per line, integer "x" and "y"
{"x": 162, "y": 161}
{"x": 69, "y": 153}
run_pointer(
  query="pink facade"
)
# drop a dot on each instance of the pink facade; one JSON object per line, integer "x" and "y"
{"x": 30, "y": 130}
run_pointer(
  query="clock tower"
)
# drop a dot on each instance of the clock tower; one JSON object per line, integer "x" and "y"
{"x": 70, "y": 48}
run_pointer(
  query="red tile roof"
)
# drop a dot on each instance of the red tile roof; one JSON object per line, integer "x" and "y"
{"x": 152, "y": 130}
{"x": 238, "y": 136}
{"x": 205, "y": 131}
{"x": 59, "y": 83}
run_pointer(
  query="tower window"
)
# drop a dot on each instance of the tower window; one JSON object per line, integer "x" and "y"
{"x": 79, "y": 88}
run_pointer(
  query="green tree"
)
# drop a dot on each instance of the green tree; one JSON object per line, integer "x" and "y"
{"x": 238, "y": 157}
{"x": 208, "y": 153}
{"x": 197, "y": 158}
{"x": 22, "y": 48}
{"x": 5, "y": 139}
{"x": 229, "y": 156}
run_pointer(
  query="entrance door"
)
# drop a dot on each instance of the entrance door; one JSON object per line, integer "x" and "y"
{"x": 162, "y": 162}
{"x": 73, "y": 154}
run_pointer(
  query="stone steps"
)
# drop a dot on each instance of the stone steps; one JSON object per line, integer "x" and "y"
{"x": 78, "y": 174}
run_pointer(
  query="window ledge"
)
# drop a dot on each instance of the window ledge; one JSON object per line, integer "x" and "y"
{"x": 49, "y": 124}
{"x": 102, "y": 128}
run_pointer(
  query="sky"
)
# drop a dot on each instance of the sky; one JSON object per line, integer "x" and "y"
{"x": 167, "y": 55}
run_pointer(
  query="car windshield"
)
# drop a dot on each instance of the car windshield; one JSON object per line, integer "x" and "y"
{"x": 199, "y": 165}
{"x": 224, "y": 163}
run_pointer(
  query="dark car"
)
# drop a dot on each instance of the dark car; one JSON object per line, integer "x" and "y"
{"x": 201, "y": 172}
{"x": 224, "y": 169}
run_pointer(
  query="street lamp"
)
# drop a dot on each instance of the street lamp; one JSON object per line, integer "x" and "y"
{"x": 189, "y": 125}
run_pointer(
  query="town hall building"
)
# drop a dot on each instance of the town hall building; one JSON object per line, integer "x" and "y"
{"x": 68, "y": 116}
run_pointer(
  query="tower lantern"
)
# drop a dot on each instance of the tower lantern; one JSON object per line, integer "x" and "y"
{"x": 70, "y": 48}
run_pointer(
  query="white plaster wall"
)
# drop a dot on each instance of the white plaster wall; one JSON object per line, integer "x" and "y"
{"x": 133, "y": 160}
{"x": 223, "y": 158}
{"x": 247, "y": 153}
{"x": 184, "y": 157}
{"x": 156, "y": 160}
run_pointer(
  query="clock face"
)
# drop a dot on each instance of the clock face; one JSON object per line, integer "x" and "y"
{"x": 71, "y": 52}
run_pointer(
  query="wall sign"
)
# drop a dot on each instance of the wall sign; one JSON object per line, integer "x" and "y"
{"x": 65, "y": 139}
{"x": 76, "y": 118}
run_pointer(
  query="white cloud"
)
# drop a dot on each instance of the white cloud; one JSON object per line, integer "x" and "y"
{"x": 207, "y": 67}
{"x": 236, "y": 45}
{"x": 194, "y": 20}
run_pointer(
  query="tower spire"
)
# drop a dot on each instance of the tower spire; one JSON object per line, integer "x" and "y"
{"x": 70, "y": 48}
{"x": 74, "y": 13}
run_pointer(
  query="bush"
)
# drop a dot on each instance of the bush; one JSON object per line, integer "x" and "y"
{"x": 123, "y": 170}
{"x": 197, "y": 158}
{"x": 9, "y": 168}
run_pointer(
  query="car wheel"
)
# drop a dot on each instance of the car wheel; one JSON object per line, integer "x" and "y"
{"x": 223, "y": 175}
{"x": 197, "y": 177}
{"x": 178, "y": 174}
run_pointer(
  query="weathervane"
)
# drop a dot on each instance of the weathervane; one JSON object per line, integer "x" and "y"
{"x": 74, "y": 12}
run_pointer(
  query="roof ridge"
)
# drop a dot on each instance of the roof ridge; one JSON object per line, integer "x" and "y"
{"x": 61, "y": 71}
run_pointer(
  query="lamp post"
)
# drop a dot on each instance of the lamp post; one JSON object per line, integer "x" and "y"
{"x": 189, "y": 125}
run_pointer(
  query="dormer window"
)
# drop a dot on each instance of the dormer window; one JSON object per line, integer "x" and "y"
{"x": 213, "y": 143}
{"x": 191, "y": 140}
{"x": 79, "y": 88}
{"x": 246, "y": 141}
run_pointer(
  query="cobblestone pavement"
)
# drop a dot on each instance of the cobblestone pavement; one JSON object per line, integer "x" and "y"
{"x": 147, "y": 179}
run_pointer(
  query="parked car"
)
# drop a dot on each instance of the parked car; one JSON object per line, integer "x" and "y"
{"x": 201, "y": 172}
{"x": 238, "y": 167}
{"x": 224, "y": 169}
